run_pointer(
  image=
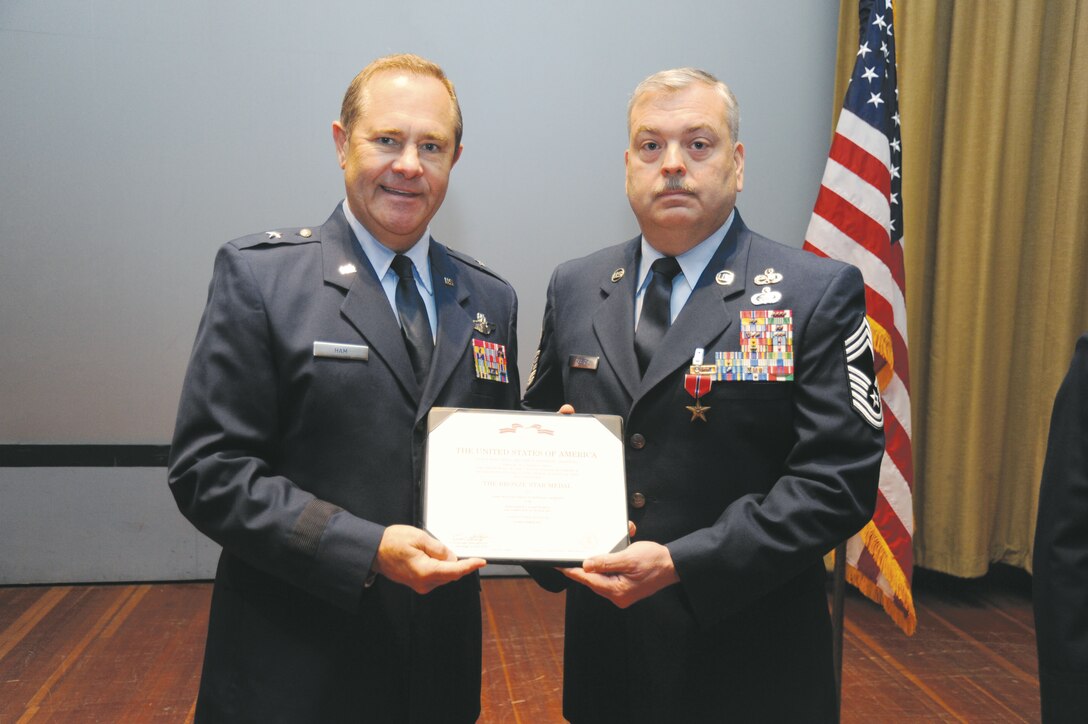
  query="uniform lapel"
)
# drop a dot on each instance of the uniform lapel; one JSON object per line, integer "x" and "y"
{"x": 454, "y": 325}
{"x": 614, "y": 320}
{"x": 365, "y": 305}
{"x": 705, "y": 317}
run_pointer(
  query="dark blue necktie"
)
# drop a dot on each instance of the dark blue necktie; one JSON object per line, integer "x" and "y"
{"x": 653, "y": 322}
{"x": 413, "y": 318}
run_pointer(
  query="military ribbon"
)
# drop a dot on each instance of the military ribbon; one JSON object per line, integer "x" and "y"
{"x": 697, "y": 386}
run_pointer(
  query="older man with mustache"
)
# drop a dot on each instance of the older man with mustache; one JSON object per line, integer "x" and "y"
{"x": 753, "y": 432}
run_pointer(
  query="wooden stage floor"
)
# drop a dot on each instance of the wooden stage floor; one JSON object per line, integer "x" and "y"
{"x": 131, "y": 653}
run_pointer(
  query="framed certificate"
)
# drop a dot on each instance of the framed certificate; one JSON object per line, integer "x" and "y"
{"x": 525, "y": 487}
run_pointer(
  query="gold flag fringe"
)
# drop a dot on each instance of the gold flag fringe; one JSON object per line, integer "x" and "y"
{"x": 882, "y": 347}
{"x": 904, "y": 617}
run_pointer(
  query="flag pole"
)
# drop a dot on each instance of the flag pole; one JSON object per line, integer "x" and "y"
{"x": 838, "y": 609}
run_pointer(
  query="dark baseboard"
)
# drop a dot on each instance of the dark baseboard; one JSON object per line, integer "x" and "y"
{"x": 84, "y": 456}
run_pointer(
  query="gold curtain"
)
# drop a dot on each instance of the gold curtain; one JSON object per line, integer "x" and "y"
{"x": 993, "y": 96}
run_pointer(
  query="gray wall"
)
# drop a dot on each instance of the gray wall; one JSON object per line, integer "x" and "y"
{"x": 137, "y": 136}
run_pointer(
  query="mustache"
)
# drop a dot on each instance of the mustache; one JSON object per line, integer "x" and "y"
{"x": 676, "y": 183}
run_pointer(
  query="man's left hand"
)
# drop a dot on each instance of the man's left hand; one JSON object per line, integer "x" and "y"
{"x": 640, "y": 570}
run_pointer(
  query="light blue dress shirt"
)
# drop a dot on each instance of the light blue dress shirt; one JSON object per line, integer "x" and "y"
{"x": 381, "y": 260}
{"x": 692, "y": 264}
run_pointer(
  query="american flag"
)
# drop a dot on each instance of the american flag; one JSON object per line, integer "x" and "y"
{"x": 858, "y": 218}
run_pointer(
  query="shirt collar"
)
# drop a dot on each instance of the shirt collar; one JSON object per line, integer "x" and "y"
{"x": 692, "y": 262}
{"x": 381, "y": 256}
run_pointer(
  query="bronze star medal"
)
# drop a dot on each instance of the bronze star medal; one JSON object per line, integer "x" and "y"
{"x": 697, "y": 385}
{"x": 698, "y": 411}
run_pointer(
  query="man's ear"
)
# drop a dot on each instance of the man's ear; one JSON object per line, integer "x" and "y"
{"x": 738, "y": 162}
{"x": 340, "y": 138}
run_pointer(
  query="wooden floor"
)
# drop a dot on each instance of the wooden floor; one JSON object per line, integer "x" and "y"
{"x": 131, "y": 653}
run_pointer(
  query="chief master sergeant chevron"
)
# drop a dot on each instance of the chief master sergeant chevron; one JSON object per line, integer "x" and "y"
{"x": 299, "y": 433}
{"x": 753, "y": 431}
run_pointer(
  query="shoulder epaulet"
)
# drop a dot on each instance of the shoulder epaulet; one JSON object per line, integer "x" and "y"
{"x": 275, "y": 237}
{"x": 473, "y": 263}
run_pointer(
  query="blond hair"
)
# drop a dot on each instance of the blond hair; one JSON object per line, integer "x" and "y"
{"x": 352, "y": 106}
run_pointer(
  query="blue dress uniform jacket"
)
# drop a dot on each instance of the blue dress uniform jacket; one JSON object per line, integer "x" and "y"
{"x": 295, "y": 462}
{"x": 1060, "y": 559}
{"x": 747, "y": 501}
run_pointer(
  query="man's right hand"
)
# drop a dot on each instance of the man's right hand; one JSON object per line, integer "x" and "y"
{"x": 410, "y": 556}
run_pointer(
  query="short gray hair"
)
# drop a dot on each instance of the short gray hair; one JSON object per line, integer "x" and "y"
{"x": 677, "y": 79}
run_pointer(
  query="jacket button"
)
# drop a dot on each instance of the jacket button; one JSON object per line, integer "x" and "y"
{"x": 638, "y": 500}
{"x": 638, "y": 441}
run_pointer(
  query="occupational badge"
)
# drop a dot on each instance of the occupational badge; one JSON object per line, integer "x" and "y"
{"x": 767, "y": 296}
{"x": 769, "y": 276}
{"x": 274, "y": 235}
{"x": 490, "y": 360}
{"x": 481, "y": 324}
{"x": 864, "y": 394}
{"x": 617, "y": 275}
